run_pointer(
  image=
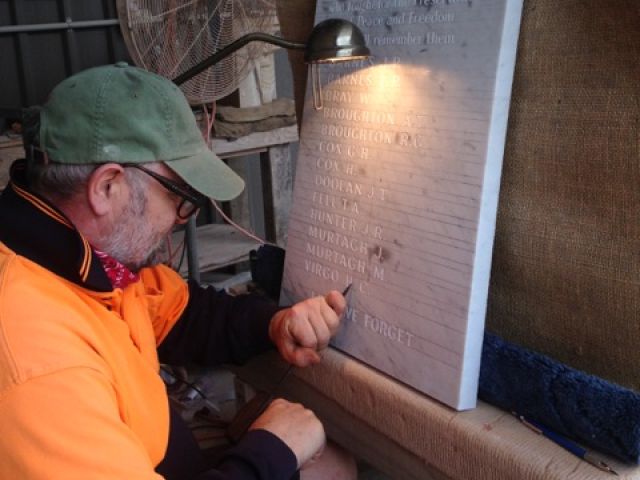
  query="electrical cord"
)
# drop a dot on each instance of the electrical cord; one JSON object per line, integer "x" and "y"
{"x": 238, "y": 227}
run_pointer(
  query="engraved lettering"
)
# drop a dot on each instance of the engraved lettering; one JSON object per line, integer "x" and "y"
{"x": 373, "y": 230}
{"x": 339, "y": 149}
{"x": 360, "y": 116}
{"x": 333, "y": 219}
{"x": 359, "y": 79}
{"x": 432, "y": 38}
{"x": 351, "y": 314}
{"x": 388, "y": 330}
{"x": 326, "y": 163}
{"x": 436, "y": 16}
{"x": 337, "y": 96}
{"x": 321, "y": 271}
{"x": 388, "y": 183}
{"x": 325, "y": 253}
{"x": 330, "y": 201}
{"x": 359, "y": 286}
{"x": 376, "y": 193}
{"x": 358, "y": 5}
{"x": 369, "y": 135}
{"x": 378, "y": 273}
{"x": 339, "y": 240}
{"x": 339, "y": 185}
{"x": 406, "y": 39}
{"x": 357, "y": 133}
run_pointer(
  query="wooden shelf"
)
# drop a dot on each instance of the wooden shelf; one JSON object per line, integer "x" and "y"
{"x": 255, "y": 142}
{"x": 218, "y": 246}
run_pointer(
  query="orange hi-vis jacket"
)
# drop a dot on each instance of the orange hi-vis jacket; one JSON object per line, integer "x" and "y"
{"x": 80, "y": 392}
{"x": 60, "y": 341}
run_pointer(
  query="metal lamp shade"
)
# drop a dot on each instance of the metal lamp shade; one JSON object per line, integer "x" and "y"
{"x": 335, "y": 40}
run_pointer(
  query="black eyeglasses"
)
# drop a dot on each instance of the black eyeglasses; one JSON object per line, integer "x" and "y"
{"x": 192, "y": 200}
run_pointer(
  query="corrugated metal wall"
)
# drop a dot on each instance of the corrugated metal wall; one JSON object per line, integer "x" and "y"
{"x": 45, "y": 41}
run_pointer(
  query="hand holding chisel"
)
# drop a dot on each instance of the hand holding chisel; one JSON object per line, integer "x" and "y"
{"x": 249, "y": 414}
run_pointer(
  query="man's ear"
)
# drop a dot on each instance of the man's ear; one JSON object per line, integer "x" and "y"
{"x": 105, "y": 188}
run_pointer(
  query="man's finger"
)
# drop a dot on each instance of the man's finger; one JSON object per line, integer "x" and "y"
{"x": 322, "y": 329}
{"x": 336, "y": 301}
{"x": 331, "y": 316}
{"x": 303, "y": 357}
{"x": 302, "y": 333}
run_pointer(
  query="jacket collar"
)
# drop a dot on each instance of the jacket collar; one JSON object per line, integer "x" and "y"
{"x": 35, "y": 229}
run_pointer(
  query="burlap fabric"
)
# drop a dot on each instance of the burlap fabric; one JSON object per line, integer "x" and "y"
{"x": 566, "y": 265}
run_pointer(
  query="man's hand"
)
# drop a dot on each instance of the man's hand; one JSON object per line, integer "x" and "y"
{"x": 296, "y": 426}
{"x": 304, "y": 329}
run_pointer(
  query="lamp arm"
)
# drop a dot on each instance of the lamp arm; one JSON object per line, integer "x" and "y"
{"x": 232, "y": 47}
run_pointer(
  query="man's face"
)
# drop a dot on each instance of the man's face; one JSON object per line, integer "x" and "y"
{"x": 140, "y": 230}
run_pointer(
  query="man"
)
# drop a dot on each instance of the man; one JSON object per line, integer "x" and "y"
{"x": 114, "y": 162}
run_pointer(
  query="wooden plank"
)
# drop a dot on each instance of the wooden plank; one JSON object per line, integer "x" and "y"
{"x": 218, "y": 246}
{"x": 254, "y": 142}
{"x": 7, "y": 141}
{"x": 409, "y": 436}
{"x": 281, "y": 167}
{"x": 10, "y": 149}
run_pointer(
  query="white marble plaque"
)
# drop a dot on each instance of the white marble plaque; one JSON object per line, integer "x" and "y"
{"x": 397, "y": 185}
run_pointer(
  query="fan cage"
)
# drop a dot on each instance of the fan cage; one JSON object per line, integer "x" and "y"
{"x": 168, "y": 37}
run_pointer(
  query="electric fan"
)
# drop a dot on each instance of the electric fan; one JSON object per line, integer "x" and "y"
{"x": 168, "y": 37}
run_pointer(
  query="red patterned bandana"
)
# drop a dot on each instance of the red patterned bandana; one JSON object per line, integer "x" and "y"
{"x": 119, "y": 275}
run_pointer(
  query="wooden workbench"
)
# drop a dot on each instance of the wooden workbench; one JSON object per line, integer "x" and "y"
{"x": 409, "y": 436}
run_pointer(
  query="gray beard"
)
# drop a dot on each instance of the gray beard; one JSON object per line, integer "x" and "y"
{"x": 132, "y": 241}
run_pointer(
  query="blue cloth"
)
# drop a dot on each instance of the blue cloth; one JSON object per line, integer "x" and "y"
{"x": 586, "y": 408}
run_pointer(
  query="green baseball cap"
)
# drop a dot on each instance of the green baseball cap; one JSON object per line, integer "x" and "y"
{"x": 124, "y": 114}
